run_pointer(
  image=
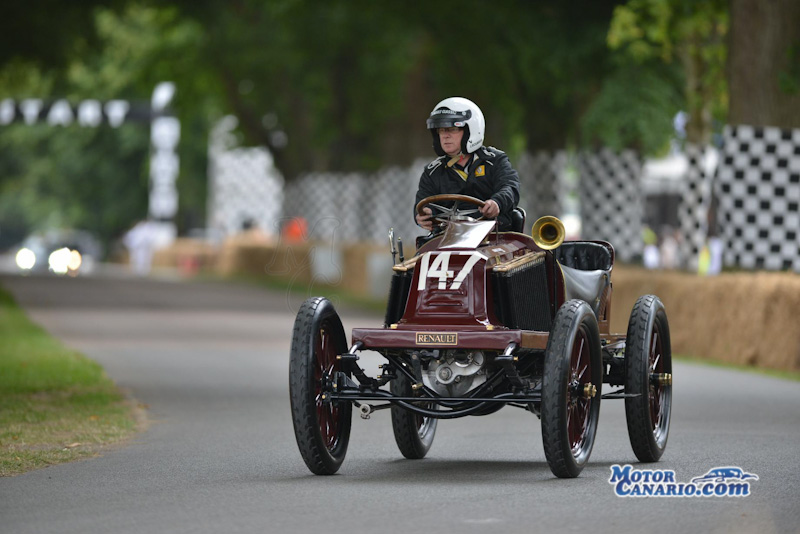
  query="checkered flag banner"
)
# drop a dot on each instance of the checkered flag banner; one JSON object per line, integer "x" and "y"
{"x": 394, "y": 191}
{"x": 611, "y": 200}
{"x": 758, "y": 186}
{"x": 364, "y": 207}
{"x": 244, "y": 184}
{"x": 694, "y": 205}
{"x": 540, "y": 184}
{"x": 357, "y": 207}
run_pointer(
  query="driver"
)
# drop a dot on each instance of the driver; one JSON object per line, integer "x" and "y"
{"x": 465, "y": 166}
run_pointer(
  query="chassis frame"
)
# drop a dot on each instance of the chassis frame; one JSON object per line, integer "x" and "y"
{"x": 525, "y": 394}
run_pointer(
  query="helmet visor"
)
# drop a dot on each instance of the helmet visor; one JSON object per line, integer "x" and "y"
{"x": 446, "y": 118}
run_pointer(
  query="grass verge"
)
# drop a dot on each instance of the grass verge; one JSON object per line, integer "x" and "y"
{"x": 56, "y": 405}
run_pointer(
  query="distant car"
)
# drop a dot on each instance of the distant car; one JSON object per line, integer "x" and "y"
{"x": 59, "y": 251}
{"x": 721, "y": 474}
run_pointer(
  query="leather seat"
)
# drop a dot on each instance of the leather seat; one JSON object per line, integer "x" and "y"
{"x": 586, "y": 267}
{"x": 518, "y": 219}
{"x": 584, "y": 255}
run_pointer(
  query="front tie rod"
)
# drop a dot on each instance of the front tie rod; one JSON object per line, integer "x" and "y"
{"x": 410, "y": 403}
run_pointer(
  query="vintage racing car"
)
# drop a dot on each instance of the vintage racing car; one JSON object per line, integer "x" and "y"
{"x": 478, "y": 320}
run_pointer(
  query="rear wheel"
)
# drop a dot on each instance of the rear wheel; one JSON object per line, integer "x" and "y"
{"x": 413, "y": 433}
{"x": 648, "y": 375}
{"x": 322, "y": 428}
{"x": 573, "y": 376}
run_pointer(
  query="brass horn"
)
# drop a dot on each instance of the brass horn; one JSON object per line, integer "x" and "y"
{"x": 548, "y": 232}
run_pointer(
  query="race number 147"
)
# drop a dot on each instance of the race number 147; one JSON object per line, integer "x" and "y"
{"x": 440, "y": 268}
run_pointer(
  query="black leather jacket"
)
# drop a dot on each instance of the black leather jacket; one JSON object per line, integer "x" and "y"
{"x": 491, "y": 176}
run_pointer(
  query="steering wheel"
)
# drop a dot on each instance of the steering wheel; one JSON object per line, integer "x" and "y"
{"x": 450, "y": 214}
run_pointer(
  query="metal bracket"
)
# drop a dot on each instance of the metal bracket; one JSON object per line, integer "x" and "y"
{"x": 506, "y": 361}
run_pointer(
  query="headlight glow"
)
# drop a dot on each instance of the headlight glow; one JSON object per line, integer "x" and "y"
{"x": 59, "y": 260}
{"x": 75, "y": 260}
{"x": 26, "y": 259}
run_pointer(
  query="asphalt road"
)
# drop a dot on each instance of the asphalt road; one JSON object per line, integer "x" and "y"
{"x": 211, "y": 361}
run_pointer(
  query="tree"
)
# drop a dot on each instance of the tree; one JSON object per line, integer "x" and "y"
{"x": 341, "y": 86}
{"x": 48, "y": 32}
{"x": 351, "y": 83}
{"x": 96, "y": 178}
{"x": 688, "y": 35}
{"x": 764, "y": 63}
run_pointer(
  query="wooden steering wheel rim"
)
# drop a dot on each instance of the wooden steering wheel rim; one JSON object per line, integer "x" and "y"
{"x": 448, "y": 198}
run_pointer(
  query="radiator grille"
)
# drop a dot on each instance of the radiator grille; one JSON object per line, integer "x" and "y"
{"x": 521, "y": 296}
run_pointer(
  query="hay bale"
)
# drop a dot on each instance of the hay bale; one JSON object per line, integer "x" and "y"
{"x": 188, "y": 255}
{"x": 247, "y": 257}
{"x": 741, "y": 318}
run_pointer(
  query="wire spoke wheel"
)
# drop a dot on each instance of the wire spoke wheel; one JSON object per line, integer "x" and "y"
{"x": 657, "y": 391}
{"x": 573, "y": 376}
{"x": 648, "y": 367}
{"x": 322, "y": 427}
{"x": 328, "y": 414}
{"x": 413, "y": 433}
{"x": 578, "y": 404}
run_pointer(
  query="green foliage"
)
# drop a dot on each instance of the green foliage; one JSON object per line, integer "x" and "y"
{"x": 644, "y": 27}
{"x": 48, "y": 32}
{"x": 143, "y": 46}
{"x": 352, "y": 83}
{"x": 71, "y": 177}
{"x": 789, "y": 77}
{"x": 97, "y": 178}
{"x": 332, "y": 75}
{"x": 349, "y": 84}
{"x": 634, "y": 109}
{"x": 692, "y": 32}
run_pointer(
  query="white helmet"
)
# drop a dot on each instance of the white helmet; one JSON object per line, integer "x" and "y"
{"x": 462, "y": 113}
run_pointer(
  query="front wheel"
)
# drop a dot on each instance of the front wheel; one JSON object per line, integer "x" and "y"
{"x": 571, "y": 389}
{"x": 648, "y": 376}
{"x": 413, "y": 433}
{"x": 322, "y": 428}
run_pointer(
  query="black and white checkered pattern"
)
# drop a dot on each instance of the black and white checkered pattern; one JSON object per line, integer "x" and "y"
{"x": 354, "y": 207}
{"x": 368, "y": 205}
{"x": 390, "y": 204}
{"x": 244, "y": 187}
{"x": 540, "y": 184}
{"x": 694, "y": 205}
{"x": 758, "y": 186}
{"x": 321, "y": 201}
{"x": 364, "y": 207}
{"x": 611, "y": 200}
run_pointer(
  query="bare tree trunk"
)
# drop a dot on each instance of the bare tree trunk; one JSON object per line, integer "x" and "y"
{"x": 764, "y": 63}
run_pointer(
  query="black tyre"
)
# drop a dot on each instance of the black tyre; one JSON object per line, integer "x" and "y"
{"x": 571, "y": 389}
{"x": 648, "y": 374}
{"x": 413, "y": 433}
{"x": 322, "y": 429}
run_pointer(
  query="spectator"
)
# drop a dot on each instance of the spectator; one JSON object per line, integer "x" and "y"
{"x": 141, "y": 242}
